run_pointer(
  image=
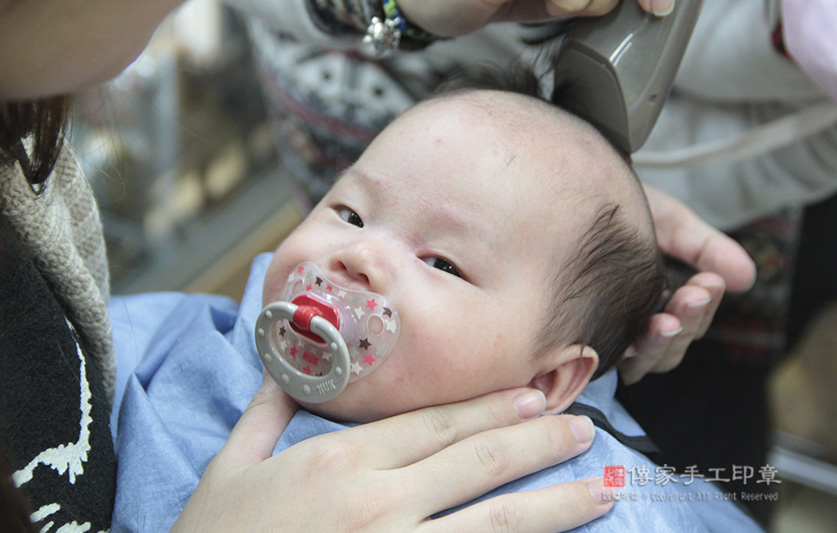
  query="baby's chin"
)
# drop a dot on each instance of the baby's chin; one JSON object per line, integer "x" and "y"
{"x": 343, "y": 409}
{"x": 364, "y": 400}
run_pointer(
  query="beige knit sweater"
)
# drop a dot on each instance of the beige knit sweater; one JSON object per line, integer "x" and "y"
{"x": 62, "y": 230}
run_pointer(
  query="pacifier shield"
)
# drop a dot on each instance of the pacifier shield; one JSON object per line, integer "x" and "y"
{"x": 366, "y": 321}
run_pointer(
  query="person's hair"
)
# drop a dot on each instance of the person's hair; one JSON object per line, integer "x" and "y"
{"x": 607, "y": 292}
{"x": 32, "y": 135}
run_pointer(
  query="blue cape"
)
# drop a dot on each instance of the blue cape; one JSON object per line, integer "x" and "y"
{"x": 189, "y": 367}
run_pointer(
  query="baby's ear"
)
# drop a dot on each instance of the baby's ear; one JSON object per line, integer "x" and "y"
{"x": 565, "y": 373}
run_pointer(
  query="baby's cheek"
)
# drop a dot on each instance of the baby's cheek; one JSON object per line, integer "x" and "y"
{"x": 271, "y": 290}
{"x": 276, "y": 277}
{"x": 498, "y": 340}
{"x": 438, "y": 360}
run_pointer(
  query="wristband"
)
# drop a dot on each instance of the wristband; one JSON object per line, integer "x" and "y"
{"x": 407, "y": 30}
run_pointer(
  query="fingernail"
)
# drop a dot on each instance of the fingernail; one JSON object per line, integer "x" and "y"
{"x": 661, "y": 8}
{"x": 672, "y": 333}
{"x": 630, "y": 355}
{"x": 569, "y": 6}
{"x": 582, "y": 428}
{"x": 530, "y": 404}
{"x": 700, "y": 303}
{"x": 598, "y": 492}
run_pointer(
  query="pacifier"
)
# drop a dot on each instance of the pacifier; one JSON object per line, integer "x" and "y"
{"x": 321, "y": 336}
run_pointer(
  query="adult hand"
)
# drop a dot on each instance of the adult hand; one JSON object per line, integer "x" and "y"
{"x": 723, "y": 264}
{"x": 451, "y": 18}
{"x": 392, "y": 475}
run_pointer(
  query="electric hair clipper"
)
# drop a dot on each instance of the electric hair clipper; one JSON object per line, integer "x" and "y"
{"x": 616, "y": 71}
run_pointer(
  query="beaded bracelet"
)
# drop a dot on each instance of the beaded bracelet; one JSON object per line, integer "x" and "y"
{"x": 394, "y": 31}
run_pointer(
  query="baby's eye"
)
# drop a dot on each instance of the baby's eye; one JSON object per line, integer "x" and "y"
{"x": 349, "y": 216}
{"x": 444, "y": 266}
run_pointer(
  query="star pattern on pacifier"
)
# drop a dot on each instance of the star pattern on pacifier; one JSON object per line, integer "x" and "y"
{"x": 371, "y": 321}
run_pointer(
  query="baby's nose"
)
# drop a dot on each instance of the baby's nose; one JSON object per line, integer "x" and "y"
{"x": 361, "y": 265}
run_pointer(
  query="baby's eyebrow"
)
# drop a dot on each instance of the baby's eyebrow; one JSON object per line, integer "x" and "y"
{"x": 343, "y": 173}
{"x": 445, "y": 222}
{"x": 365, "y": 180}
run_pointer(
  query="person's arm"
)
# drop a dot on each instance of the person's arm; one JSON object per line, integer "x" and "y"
{"x": 393, "y": 475}
{"x": 326, "y": 24}
{"x": 733, "y": 80}
{"x": 449, "y": 18}
{"x": 50, "y": 47}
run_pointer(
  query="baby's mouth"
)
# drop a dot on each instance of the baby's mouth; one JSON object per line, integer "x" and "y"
{"x": 320, "y": 336}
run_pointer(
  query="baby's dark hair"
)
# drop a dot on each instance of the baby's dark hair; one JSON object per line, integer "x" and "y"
{"x": 606, "y": 293}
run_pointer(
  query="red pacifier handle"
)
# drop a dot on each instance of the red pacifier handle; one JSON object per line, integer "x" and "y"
{"x": 308, "y": 307}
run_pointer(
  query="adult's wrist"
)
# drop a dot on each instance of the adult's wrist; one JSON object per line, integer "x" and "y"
{"x": 390, "y": 30}
{"x": 380, "y": 23}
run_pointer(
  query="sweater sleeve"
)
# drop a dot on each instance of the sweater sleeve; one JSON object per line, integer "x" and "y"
{"x": 731, "y": 57}
{"x": 729, "y": 195}
{"x": 333, "y": 23}
{"x": 731, "y": 81}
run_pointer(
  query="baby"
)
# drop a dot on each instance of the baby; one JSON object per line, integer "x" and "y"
{"x": 513, "y": 241}
{"x": 514, "y": 244}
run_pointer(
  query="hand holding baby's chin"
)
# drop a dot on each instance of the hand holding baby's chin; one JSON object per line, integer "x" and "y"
{"x": 411, "y": 467}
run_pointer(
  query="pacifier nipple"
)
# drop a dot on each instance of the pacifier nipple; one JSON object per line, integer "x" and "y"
{"x": 321, "y": 336}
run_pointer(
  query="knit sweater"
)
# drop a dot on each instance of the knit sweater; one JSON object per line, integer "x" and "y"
{"x": 62, "y": 231}
{"x": 57, "y": 364}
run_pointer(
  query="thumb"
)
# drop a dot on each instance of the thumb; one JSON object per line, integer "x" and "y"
{"x": 709, "y": 250}
{"x": 682, "y": 234}
{"x": 254, "y": 436}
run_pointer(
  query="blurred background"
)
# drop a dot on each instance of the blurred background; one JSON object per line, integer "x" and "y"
{"x": 180, "y": 153}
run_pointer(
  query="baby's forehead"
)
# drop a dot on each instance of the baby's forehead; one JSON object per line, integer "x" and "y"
{"x": 532, "y": 127}
{"x": 535, "y": 130}
{"x": 578, "y": 163}
{"x": 507, "y": 108}
{"x": 557, "y": 157}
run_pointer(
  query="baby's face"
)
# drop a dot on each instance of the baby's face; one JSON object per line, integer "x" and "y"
{"x": 449, "y": 216}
